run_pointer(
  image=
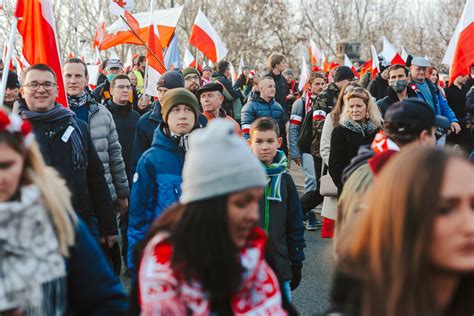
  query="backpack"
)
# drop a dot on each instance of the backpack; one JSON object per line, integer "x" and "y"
{"x": 306, "y": 133}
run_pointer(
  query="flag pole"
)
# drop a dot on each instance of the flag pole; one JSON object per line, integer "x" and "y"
{"x": 7, "y": 60}
{"x": 142, "y": 41}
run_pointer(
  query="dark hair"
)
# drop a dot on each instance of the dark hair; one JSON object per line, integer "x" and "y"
{"x": 222, "y": 66}
{"x": 39, "y": 67}
{"x": 402, "y": 138}
{"x": 314, "y": 75}
{"x": 274, "y": 60}
{"x": 77, "y": 61}
{"x": 397, "y": 66}
{"x": 140, "y": 59}
{"x": 118, "y": 77}
{"x": 264, "y": 124}
{"x": 202, "y": 247}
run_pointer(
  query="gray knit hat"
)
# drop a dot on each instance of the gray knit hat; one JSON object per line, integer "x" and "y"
{"x": 219, "y": 162}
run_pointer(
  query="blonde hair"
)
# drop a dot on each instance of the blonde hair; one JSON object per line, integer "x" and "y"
{"x": 55, "y": 194}
{"x": 373, "y": 111}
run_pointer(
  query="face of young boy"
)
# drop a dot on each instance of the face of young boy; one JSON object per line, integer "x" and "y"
{"x": 264, "y": 145}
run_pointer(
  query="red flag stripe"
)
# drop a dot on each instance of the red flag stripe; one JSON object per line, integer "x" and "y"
{"x": 463, "y": 54}
{"x": 200, "y": 39}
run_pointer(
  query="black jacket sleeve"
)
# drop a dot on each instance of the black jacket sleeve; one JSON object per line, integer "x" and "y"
{"x": 228, "y": 86}
{"x": 337, "y": 156}
{"x": 98, "y": 189}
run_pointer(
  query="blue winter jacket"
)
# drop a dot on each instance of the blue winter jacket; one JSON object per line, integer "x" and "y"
{"x": 156, "y": 185}
{"x": 260, "y": 108}
{"x": 442, "y": 106}
{"x": 93, "y": 288}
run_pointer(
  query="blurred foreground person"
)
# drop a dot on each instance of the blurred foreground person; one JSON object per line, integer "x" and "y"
{"x": 410, "y": 249}
{"x": 50, "y": 264}
{"x": 205, "y": 255}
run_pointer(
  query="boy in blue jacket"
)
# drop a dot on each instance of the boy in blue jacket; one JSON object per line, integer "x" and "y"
{"x": 281, "y": 215}
{"x": 157, "y": 180}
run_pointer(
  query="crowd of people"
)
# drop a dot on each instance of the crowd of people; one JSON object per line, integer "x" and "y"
{"x": 188, "y": 195}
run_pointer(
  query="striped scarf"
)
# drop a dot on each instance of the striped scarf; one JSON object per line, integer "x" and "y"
{"x": 275, "y": 170}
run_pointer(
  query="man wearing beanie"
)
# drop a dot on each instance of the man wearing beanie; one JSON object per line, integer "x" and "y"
{"x": 379, "y": 86}
{"x": 148, "y": 122}
{"x": 157, "y": 180}
{"x": 192, "y": 79}
{"x": 12, "y": 91}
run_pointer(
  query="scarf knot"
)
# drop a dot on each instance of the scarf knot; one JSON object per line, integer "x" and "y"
{"x": 275, "y": 171}
{"x": 79, "y": 101}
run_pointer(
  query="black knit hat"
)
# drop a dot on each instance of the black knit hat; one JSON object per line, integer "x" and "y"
{"x": 12, "y": 80}
{"x": 176, "y": 97}
{"x": 171, "y": 79}
{"x": 213, "y": 86}
{"x": 343, "y": 73}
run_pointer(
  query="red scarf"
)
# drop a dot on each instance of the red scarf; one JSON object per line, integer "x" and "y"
{"x": 163, "y": 292}
{"x": 384, "y": 148}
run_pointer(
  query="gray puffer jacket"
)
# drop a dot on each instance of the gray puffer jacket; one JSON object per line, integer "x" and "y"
{"x": 105, "y": 138}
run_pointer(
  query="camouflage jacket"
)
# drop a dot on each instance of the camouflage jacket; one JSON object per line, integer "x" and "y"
{"x": 322, "y": 106}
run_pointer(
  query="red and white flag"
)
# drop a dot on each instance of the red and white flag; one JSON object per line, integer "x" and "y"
{"x": 188, "y": 60}
{"x": 128, "y": 66}
{"x": 304, "y": 75}
{"x": 460, "y": 53}
{"x": 375, "y": 61}
{"x": 316, "y": 54}
{"x": 100, "y": 30}
{"x": 205, "y": 38}
{"x": 155, "y": 61}
{"x": 166, "y": 20}
{"x": 348, "y": 63}
{"x": 116, "y": 9}
{"x": 390, "y": 53}
{"x": 404, "y": 54}
{"x": 37, "y": 27}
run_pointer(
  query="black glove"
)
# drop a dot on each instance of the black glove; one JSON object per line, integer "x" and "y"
{"x": 295, "y": 276}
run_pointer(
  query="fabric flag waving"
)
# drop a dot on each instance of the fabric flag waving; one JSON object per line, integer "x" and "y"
{"x": 116, "y": 9}
{"x": 390, "y": 54}
{"x": 375, "y": 61}
{"x": 348, "y": 63}
{"x": 172, "y": 59}
{"x": 365, "y": 67}
{"x": 166, "y": 20}
{"x": 460, "y": 53}
{"x": 155, "y": 61}
{"x": 128, "y": 66}
{"x": 188, "y": 60}
{"x": 37, "y": 28}
{"x": 205, "y": 38}
{"x": 404, "y": 54}
{"x": 100, "y": 30}
{"x": 316, "y": 54}
{"x": 304, "y": 74}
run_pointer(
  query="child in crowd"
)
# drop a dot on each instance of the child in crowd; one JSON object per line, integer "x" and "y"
{"x": 281, "y": 215}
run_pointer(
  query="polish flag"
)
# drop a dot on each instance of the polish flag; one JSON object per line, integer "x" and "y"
{"x": 154, "y": 55}
{"x": 119, "y": 33}
{"x": 375, "y": 61}
{"x": 365, "y": 67}
{"x": 324, "y": 63}
{"x": 37, "y": 28}
{"x": 5, "y": 49}
{"x": 304, "y": 75}
{"x": 319, "y": 115}
{"x": 128, "y": 66}
{"x": 99, "y": 31}
{"x": 94, "y": 70}
{"x": 316, "y": 54}
{"x": 116, "y": 9}
{"x": 348, "y": 63}
{"x": 404, "y": 54}
{"x": 460, "y": 53}
{"x": 390, "y": 53}
{"x": 295, "y": 119}
{"x": 188, "y": 60}
{"x": 205, "y": 38}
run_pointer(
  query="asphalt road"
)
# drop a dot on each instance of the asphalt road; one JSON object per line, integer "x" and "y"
{"x": 312, "y": 296}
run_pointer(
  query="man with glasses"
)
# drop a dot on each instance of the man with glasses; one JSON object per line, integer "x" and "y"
{"x": 192, "y": 79}
{"x": 429, "y": 93}
{"x": 66, "y": 145}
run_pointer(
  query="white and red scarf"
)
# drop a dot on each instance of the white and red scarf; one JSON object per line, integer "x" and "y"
{"x": 162, "y": 292}
{"x": 382, "y": 143}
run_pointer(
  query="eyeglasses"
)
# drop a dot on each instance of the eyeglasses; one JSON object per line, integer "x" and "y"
{"x": 121, "y": 87}
{"x": 48, "y": 86}
{"x": 190, "y": 78}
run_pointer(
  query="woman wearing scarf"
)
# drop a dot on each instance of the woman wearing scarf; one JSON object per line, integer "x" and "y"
{"x": 49, "y": 263}
{"x": 206, "y": 254}
{"x": 358, "y": 125}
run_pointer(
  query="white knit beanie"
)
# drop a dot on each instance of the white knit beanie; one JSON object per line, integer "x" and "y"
{"x": 219, "y": 162}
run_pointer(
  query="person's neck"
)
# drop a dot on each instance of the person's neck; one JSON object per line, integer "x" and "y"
{"x": 276, "y": 72}
{"x": 418, "y": 81}
{"x": 77, "y": 95}
{"x": 443, "y": 288}
{"x": 266, "y": 99}
{"x": 402, "y": 95}
{"x": 215, "y": 112}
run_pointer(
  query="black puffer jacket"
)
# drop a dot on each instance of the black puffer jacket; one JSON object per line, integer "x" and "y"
{"x": 378, "y": 87}
{"x": 88, "y": 187}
